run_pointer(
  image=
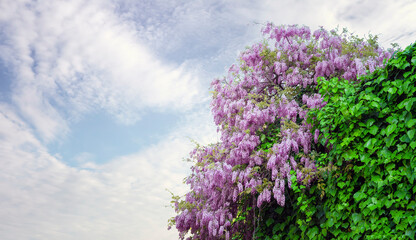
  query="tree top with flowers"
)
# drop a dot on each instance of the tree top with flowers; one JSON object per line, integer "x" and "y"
{"x": 267, "y": 145}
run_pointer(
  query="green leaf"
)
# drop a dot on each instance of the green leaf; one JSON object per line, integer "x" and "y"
{"x": 405, "y": 138}
{"x": 276, "y": 228}
{"x": 269, "y": 222}
{"x": 392, "y": 90}
{"x": 375, "y": 105}
{"x": 410, "y": 233}
{"x": 356, "y": 217}
{"x": 404, "y": 65}
{"x": 370, "y": 122}
{"x": 312, "y": 232}
{"x": 359, "y": 195}
{"x": 389, "y": 140}
{"x": 411, "y": 133}
{"x": 279, "y": 210}
{"x": 330, "y": 222}
{"x": 397, "y": 215}
{"x": 401, "y": 105}
{"x": 390, "y": 166}
{"x": 388, "y": 203}
{"x": 373, "y": 130}
{"x": 390, "y": 129}
{"x": 324, "y": 232}
{"x": 410, "y": 123}
{"x": 407, "y": 103}
{"x": 376, "y": 178}
{"x": 406, "y": 74}
{"x": 412, "y": 205}
{"x": 341, "y": 184}
{"x": 400, "y": 194}
{"x": 392, "y": 120}
{"x": 400, "y": 147}
{"x": 368, "y": 144}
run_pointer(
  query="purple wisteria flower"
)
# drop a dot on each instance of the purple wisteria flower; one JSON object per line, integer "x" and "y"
{"x": 271, "y": 89}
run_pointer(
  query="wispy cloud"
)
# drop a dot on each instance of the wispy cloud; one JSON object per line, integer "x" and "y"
{"x": 212, "y": 32}
{"x": 42, "y": 198}
{"x": 389, "y": 18}
{"x": 71, "y": 57}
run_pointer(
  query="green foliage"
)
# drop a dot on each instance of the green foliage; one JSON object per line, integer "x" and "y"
{"x": 371, "y": 127}
{"x": 366, "y": 183}
{"x": 269, "y": 136}
{"x": 298, "y": 219}
{"x": 301, "y": 215}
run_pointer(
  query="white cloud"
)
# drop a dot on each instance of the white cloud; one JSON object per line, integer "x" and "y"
{"x": 216, "y": 26}
{"x": 42, "y": 198}
{"x": 388, "y": 18}
{"x": 83, "y": 159}
{"x": 210, "y": 33}
{"x": 71, "y": 57}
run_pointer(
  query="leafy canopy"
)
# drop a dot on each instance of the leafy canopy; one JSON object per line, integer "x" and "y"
{"x": 372, "y": 127}
{"x": 268, "y": 150}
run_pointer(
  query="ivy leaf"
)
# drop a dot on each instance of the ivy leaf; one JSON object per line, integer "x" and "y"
{"x": 412, "y": 205}
{"x": 370, "y": 122}
{"x": 404, "y": 65}
{"x": 279, "y": 210}
{"x": 324, "y": 232}
{"x": 390, "y": 129}
{"x": 330, "y": 222}
{"x": 375, "y": 105}
{"x": 407, "y": 74}
{"x": 410, "y": 123}
{"x": 405, "y": 138}
{"x": 373, "y": 130}
{"x": 392, "y": 120}
{"x": 359, "y": 195}
{"x": 312, "y": 232}
{"x": 368, "y": 144}
{"x": 411, "y": 133}
{"x": 407, "y": 103}
{"x": 401, "y": 226}
{"x": 262, "y": 137}
{"x": 341, "y": 184}
{"x": 397, "y": 215}
{"x": 276, "y": 228}
{"x": 400, "y": 194}
{"x": 389, "y": 140}
{"x": 400, "y": 147}
{"x": 269, "y": 222}
{"x": 356, "y": 217}
{"x": 392, "y": 90}
{"x": 401, "y": 105}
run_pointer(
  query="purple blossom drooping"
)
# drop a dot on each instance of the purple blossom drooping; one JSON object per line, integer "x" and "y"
{"x": 273, "y": 86}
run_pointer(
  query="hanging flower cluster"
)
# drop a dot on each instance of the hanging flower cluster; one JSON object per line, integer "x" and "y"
{"x": 266, "y": 96}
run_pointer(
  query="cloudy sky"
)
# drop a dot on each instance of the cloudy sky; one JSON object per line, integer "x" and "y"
{"x": 99, "y": 101}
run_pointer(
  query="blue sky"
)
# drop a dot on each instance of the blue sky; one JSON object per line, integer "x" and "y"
{"x": 99, "y": 101}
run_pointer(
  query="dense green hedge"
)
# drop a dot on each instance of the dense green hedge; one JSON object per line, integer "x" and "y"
{"x": 366, "y": 184}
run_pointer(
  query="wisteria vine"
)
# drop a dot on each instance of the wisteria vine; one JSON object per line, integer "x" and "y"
{"x": 268, "y": 93}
